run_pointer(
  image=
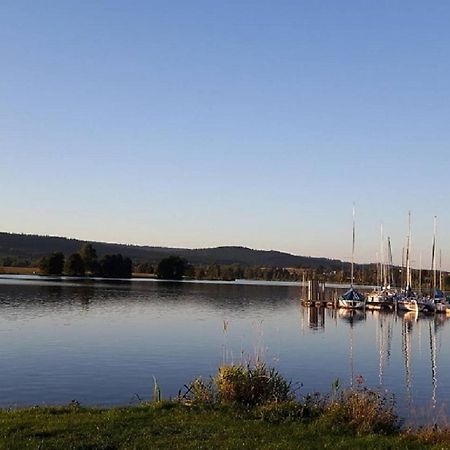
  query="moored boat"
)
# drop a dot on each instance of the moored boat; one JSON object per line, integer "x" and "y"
{"x": 352, "y": 299}
{"x": 381, "y": 299}
{"x": 408, "y": 299}
{"x": 440, "y": 301}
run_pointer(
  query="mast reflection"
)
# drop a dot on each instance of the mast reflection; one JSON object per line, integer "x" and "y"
{"x": 407, "y": 325}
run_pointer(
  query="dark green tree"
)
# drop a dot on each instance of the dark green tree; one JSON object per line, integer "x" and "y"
{"x": 115, "y": 266}
{"x": 74, "y": 266}
{"x": 171, "y": 268}
{"x": 89, "y": 256}
{"x": 52, "y": 264}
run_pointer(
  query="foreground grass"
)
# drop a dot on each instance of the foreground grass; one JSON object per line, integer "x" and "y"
{"x": 176, "y": 426}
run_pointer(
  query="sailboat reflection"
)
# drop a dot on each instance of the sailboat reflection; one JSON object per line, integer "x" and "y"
{"x": 352, "y": 316}
{"x": 411, "y": 321}
{"x": 432, "y": 334}
{"x": 407, "y": 326}
{"x": 384, "y": 340}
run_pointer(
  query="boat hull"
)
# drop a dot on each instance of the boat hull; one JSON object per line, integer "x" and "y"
{"x": 441, "y": 307}
{"x": 351, "y": 304}
{"x": 379, "y": 301}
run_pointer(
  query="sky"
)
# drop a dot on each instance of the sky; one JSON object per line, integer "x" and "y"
{"x": 203, "y": 123}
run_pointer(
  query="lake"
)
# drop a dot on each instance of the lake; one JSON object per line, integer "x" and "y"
{"x": 101, "y": 343}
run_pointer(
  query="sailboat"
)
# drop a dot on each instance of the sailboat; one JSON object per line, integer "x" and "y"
{"x": 352, "y": 299}
{"x": 383, "y": 296}
{"x": 407, "y": 301}
{"x": 437, "y": 296}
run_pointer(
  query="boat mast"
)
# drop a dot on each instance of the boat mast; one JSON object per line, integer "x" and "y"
{"x": 420, "y": 274}
{"x": 408, "y": 254}
{"x": 433, "y": 258}
{"x": 440, "y": 269}
{"x": 353, "y": 246}
{"x": 380, "y": 259}
{"x": 391, "y": 272}
{"x": 383, "y": 261}
{"x": 402, "y": 281}
{"x": 378, "y": 270}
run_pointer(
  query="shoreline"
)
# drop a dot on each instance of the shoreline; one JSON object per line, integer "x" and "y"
{"x": 32, "y": 274}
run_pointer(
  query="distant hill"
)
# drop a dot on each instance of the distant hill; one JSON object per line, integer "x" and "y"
{"x": 33, "y": 247}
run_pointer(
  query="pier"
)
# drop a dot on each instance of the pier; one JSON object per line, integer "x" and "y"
{"x": 313, "y": 294}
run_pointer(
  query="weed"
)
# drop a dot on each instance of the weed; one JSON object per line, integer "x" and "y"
{"x": 198, "y": 392}
{"x": 156, "y": 391}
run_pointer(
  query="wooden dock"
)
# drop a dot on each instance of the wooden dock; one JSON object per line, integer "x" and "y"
{"x": 315, "y": 295}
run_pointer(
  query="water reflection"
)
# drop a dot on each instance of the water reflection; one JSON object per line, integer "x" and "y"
{"x": 417, "y": 328}
{"x": 433, "y": 364}
{"x": 419, "y": 338}
{"x": 352, "y": 316}
{"x": 316, "y": 318}
{"x": 384, "y": 340}
{"x": 101, "y": 342}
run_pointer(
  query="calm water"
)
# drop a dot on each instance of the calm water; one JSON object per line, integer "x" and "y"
{"x": 101, "y": 343}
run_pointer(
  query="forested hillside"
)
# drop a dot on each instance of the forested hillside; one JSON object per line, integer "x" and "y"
{"x": 18, "y": 249}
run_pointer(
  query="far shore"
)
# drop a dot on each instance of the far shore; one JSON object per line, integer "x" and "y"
{"x": 8, "y": 270}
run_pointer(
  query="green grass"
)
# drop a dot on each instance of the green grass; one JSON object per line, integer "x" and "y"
{"x": 168, "y": 425}
{"x": 244, "y": 406}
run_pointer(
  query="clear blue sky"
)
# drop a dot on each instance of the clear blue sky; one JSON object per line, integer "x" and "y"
{"x": 204, "y": 123}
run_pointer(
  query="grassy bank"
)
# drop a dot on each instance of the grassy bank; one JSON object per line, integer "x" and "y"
{"x": 173, "y": 425}
{"x": 242, "y": 406}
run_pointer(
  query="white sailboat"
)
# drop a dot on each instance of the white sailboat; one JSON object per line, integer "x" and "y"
{"x": 352, "y": 299}
{"x": 437, "y": 297}
{"x": 407, "y": 301}
{"x": 383, "y": 296}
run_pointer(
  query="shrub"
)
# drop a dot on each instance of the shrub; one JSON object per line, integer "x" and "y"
{"x": 361, "y": 411}
{"x": 248, "y": 386}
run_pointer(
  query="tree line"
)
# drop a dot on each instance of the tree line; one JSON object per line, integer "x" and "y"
{"x": 86, "y": 262}
{"x": 175, "y": 267}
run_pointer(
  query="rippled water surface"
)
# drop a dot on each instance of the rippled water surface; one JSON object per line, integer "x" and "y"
{"x": 101, "y": 343}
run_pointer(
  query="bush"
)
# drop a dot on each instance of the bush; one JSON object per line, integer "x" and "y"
{"x": 361, "y": 411}
{"x": 266, "y": 395}
{"x": 251, "y": 386}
